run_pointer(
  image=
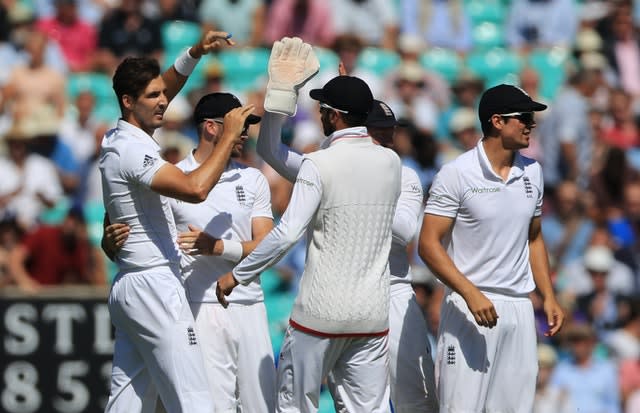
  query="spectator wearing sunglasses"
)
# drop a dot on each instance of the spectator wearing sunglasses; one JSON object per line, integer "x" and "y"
{"x": 481, "y": 236}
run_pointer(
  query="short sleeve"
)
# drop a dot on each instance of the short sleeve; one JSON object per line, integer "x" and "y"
{"x": 262, "y": 202}
{"x": 139, "y": 164}
{"x": 540, "y": 186}
{"x": 444, "y": 195}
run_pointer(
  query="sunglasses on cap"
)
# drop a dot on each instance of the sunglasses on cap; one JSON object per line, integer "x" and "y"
{"x": 524, "y": 117}
{"x": 329, "y": 107}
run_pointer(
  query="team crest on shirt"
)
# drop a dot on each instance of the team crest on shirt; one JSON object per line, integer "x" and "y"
{"x": 240, "y": 195}
{"x": 528, "y": 188}
{"x": 191, "y": 336}
{"x": 148, "y": 161}
{"x": 451, "y": 354}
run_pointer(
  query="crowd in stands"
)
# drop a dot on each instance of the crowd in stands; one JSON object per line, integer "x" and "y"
{"x": 429, "y": 60}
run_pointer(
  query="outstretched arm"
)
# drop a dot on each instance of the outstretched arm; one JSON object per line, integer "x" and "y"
{"x": 279, "y": 156}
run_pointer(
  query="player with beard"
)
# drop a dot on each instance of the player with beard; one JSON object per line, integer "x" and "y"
{"x": 214, "y": 236}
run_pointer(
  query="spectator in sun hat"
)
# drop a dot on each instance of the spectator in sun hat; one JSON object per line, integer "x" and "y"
{"x": 409, "y": 98}
{"x": 549, "y": 399}
{"x": 30, "y": 183}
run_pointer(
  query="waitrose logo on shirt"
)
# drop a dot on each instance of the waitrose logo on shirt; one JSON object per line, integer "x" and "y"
{"x": 484, "y": 190}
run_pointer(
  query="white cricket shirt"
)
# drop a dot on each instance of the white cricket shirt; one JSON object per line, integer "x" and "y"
{"x": 129, "y": 158}
{"x": 489, "y": 241}
{"x": 405, "y": 226}
{"x": 241, "y": 194}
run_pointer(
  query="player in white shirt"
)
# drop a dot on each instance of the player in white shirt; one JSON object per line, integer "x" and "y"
{"x": 411, "y": 367}
{"x": 481, "y": 237}
{"x": 214, "y": 236}
{"x": 344, "y": 196}
{"x": 157, "y": 350}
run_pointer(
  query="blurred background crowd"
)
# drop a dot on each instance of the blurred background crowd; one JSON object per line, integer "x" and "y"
{"x": 429, "y": 60}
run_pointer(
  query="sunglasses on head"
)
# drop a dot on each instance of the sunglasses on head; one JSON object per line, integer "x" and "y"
{"x": 221, "y": 122}
{"x": 524, "y": 117}
{"x": 329, "y": 107}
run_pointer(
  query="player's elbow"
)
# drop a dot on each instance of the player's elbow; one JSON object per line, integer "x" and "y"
{"x": 195, "y": 194}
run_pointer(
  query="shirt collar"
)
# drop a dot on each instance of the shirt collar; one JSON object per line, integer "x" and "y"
{"x": 357, "y": 132}
{"x": 517, "y": 169}
{"x": 138, "y": 133}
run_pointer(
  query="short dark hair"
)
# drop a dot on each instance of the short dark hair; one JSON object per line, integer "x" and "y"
{"x": 487, "y": 128}
{"x": 133, "y": 75}
{"x": 354, "y": 119}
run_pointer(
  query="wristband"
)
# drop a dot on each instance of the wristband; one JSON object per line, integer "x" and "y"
{"x": 185, "y": 63}
{"x": 231, "y": 250}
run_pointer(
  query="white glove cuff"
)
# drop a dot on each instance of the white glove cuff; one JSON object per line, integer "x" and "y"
{"x": 231, "y": 250}
{"x": 185, "y": 63}
{"x": 281, "y": 101}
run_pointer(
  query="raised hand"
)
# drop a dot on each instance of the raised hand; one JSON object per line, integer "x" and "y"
{"x": 209, "y": 42}
{"x": 292, "y": 64}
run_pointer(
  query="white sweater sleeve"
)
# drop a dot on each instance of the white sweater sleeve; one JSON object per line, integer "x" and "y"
{"x": 278, "y": 155}
{"x": 305, "y": 199}
{"x": 409, "y": 208}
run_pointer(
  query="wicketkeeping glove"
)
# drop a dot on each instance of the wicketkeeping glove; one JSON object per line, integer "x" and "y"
{"x": 292, "y": 64}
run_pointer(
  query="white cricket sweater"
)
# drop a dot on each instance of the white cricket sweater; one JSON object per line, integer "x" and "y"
{"x": 345, "y": 285}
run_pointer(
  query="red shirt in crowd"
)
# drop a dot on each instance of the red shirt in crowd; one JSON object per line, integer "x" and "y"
{"x": 52, "y": 262}
{"x": 78, "y": 41}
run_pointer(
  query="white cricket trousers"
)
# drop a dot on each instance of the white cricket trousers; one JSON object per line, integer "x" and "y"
{"x": 359, "y": 365}
{"x": 488, "y": 370}
{"x": 238, "y": 356}
{"x": 157, "y": 351}
{"x": 411, "y": 366}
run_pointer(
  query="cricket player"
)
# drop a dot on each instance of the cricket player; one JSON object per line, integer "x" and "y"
{"x": 157, "y": 350}
{"x": 345, "y": 197}
{"x": 412, "y": 382}
{"x": 481, "y": 237}
{"x": 213, "y": 236}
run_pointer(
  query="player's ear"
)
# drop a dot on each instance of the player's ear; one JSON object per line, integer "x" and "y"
{"x": 128, "y": 101}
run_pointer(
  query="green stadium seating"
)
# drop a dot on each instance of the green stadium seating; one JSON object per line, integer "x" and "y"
{"x": 328, "y": 59}
{"x": 178, "y": 35}
{"x": 446, "y": 62}
{"x": 488, "y": 35}
{"x": 97, "y": 83}
{"x": 244, "y": 68}
{"x": 495, "y": 65}
{"x": 551, "y": 65}
{"x": 481, "y": 11}
{"x": 378, "y": 61}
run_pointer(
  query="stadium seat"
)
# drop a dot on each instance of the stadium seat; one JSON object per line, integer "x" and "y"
{"x": 244, "y": 68}
{"x": 56, "y": 214}
{"x": 488, "y": 35}
{"x": 495, "y": 66}
{"x": 551, "y": 66}
{"x": 178, "y": 35}
{"x": 481, "y": 11}
{"x": 328, "y": 59}
{"x": 278, "y": 311}
{"x": 378, "y": 61}
{"x": 97, "y": 83}
{"x": 446, "y": 62}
